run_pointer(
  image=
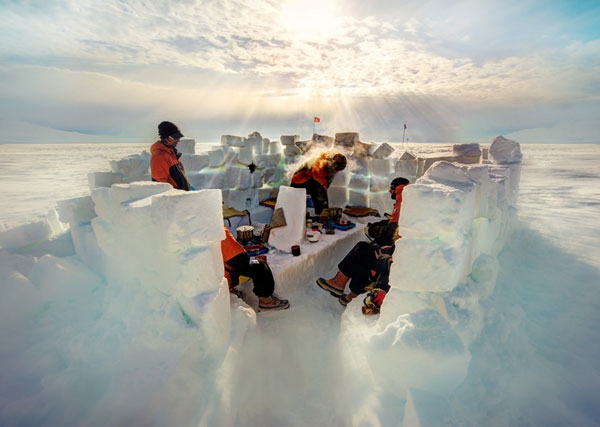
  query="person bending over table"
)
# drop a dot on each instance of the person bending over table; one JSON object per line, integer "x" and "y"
{"x": 316, "y": 175}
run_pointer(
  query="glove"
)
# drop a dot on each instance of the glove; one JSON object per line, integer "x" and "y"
{"x": 373, "y": 301}
{"x": 379, "y": 297}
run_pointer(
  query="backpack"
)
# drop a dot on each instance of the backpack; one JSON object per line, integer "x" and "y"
{"x": 381, "y": 232}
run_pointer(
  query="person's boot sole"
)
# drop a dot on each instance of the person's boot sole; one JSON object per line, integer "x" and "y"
{"x": 322, "y": 283}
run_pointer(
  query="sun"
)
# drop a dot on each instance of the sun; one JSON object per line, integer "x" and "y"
{"x": 309, "y": 20}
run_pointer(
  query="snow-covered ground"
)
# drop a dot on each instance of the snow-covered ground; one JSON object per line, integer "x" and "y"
{"x": 128, "y": 340}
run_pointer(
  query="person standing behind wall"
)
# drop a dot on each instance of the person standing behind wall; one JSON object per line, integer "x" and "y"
{"x": 316, "y": 176}
{"x": 164, "y": 160}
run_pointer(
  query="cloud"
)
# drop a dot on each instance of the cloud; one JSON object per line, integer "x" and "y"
{"x": 92, "y": 66}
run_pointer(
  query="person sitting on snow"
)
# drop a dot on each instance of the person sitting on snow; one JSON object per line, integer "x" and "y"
{"x": 237, "y": 263}
{"x": 316, "y": 176}
{"x": 368, "y": 263}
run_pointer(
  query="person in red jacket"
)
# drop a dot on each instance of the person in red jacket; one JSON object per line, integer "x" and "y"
{"x": 369, "y": 262}
{"x": 237, "y": 263}
{"x": 164, "y": 160}
{"x": 316, "y": 176}
{"x": 396, "y": 187}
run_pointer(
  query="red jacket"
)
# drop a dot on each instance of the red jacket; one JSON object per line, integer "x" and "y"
{"x": 166, "y": 167}
{"x": 397, "y": 204}
{"x": 317, "y": 169}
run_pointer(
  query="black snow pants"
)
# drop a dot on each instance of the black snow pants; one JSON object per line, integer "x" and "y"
{"x": 363, "y": 267}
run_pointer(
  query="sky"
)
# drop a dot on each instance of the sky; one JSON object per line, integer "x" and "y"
{"x": 452, "y": 71}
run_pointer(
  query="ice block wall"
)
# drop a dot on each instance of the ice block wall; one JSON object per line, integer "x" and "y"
{"x": 455, "y": 220}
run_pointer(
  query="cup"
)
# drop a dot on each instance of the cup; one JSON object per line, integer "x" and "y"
{"x": 296, "y": 250}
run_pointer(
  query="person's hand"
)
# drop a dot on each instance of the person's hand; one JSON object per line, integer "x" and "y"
{"x": 170, "y": 141}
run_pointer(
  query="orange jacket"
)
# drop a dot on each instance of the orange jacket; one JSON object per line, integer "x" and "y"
{"x": 317, "y": 169}
{"x": 166, "y": 167}
{"x": 397, "y": 204}
{"x": 230, "y": 247}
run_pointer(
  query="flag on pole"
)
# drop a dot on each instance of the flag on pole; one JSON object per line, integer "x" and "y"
{"x": 404, "y": 125}
{"x": 317, "y": 120}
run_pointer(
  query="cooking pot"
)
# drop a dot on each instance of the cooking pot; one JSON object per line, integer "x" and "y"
{"x": 244, "y": 232}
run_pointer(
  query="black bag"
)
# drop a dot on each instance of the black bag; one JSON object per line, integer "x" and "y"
{"x": 382, "y": 232}
{"x": 262, "y": 277}
{"x": 382, "y": 280}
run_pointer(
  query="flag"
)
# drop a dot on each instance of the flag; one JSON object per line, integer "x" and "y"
{"x": 404, "y": 126}
{"x": 317, "y": 120}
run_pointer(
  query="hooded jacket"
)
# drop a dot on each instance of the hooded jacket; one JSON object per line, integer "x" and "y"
{"x": 166, "y": 167}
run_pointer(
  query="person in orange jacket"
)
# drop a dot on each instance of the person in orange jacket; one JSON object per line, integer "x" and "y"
{"x": 316, "y": 176}
{"x": 369, "y": 262}
{"x": 237, "y": 263}
{"x": 396, "y": 187}
{"x": 164, "y": 160}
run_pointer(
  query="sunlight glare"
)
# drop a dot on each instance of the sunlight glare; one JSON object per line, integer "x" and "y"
{"x": 309, "y": 19}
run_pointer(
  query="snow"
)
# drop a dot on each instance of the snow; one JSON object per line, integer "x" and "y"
{"x": 292, "y": 201}
{"x": 488, "y": 322}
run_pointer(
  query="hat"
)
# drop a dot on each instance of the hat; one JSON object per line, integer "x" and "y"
{"x": 399, "y": 181}
{"x": 168, "y": 129}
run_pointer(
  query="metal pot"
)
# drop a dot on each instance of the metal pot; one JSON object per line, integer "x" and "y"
{"x": 244, "y": 232}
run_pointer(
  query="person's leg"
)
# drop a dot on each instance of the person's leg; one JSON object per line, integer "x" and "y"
{"x": 262, "y": 277}
{"x": 236, "y": 267}
{"x": 264, "y": 285}
{"x": 355, "y": 265}
{"x": 360, "y": 264}
{"x": 318, "y": 194}
{"x": 359, "y": 261}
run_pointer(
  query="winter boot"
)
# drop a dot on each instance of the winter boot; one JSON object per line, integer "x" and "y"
{"x": 336, "y": 285}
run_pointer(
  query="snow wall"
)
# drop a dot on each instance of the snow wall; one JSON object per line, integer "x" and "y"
{"x": 141, "y": 240}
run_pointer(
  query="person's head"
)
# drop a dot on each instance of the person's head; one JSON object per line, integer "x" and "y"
{"x": 338, "y": 162}
{"x": 397, "y": 182}
{"x": 169, "y": 133}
